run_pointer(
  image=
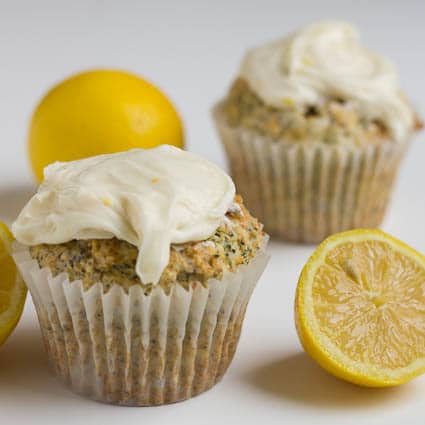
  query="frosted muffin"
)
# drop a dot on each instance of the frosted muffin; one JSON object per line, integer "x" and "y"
{"x": 315, "y": 127}
{"x": 141, "y": 265}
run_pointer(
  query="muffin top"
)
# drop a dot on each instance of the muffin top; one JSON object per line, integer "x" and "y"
{"x": 321, "y": 73}
{"x": 147, "y": 198}
{"x": 112, "y": 261}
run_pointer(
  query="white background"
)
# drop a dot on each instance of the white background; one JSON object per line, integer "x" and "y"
{"x": 192, "y": 50}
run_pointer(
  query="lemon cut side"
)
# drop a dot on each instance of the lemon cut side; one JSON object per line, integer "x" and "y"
{"x": 360, "y": 308}
{"x": 12, "y": 288}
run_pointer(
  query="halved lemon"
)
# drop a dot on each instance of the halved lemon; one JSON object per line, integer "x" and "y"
{"x": 360, "y": 308}
{"x": 12, "y": 288}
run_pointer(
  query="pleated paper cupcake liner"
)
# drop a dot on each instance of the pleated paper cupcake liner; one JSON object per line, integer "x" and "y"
{"x": 305, "y": 192}
{"x": 140, "y": 349}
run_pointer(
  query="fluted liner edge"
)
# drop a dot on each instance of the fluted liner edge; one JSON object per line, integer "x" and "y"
{"x": 303, "y": 192}
{"x": 134, "y": 348}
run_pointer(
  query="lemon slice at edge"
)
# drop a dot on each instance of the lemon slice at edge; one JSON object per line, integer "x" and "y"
{"x": 12, "y": 288}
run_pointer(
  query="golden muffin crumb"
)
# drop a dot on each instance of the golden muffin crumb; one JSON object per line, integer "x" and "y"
{"x": 335, "y": 121}
{"x": 110, "y": 261}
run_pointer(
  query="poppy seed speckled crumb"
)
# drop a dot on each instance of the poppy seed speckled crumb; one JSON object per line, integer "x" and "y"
{"x": 112, "y": 261}
{"x": 335, "y": 121}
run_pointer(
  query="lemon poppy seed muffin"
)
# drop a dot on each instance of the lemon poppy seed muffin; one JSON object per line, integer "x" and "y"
{"x": 113, "y": 261}
{"x": 141, "y": 265}
{"x": 315, "y": 127}
{"x": 335, "y": 121}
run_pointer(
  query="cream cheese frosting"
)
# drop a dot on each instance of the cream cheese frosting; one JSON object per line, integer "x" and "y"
{"x": 326, "y": 60}
{"x": 149, "y": 198}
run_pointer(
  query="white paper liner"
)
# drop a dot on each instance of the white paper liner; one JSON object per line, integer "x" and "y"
{"x": 305, "y": 192}
{"x": 136, "y": 349}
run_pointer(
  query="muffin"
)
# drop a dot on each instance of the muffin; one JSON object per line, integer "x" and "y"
{"x": 315, "y": 127}
{"x": 140, "y": 265}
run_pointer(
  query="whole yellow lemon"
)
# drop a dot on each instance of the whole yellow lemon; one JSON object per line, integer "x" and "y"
{"x": 100, "y": 111}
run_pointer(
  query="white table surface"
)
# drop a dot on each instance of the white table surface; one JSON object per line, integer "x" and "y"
{"x": 191, "y": 50}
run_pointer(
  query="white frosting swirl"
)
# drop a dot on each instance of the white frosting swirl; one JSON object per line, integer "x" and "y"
{"x": 149, "y": 198}
{"x": 326, "y": 60}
